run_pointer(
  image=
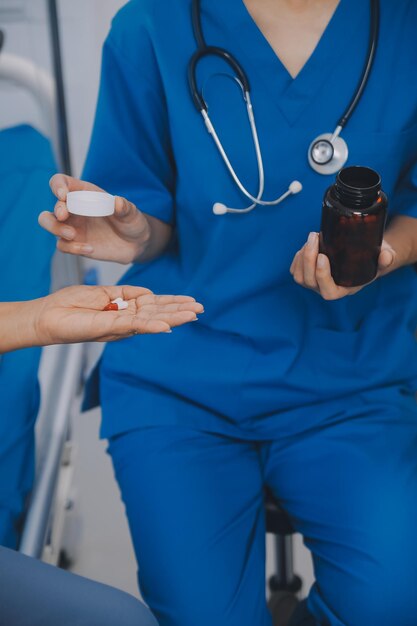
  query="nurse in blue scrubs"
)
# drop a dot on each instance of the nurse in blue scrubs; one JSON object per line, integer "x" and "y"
{"x": 288, "y": 380}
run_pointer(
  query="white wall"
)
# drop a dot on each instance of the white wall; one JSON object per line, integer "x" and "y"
{"x": 84, "y": 25}
{"x": 24, "y": 26}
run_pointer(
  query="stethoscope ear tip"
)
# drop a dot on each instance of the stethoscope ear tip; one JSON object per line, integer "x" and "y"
{"x": 219, "y": 208}
{"x": 295, "y": 187}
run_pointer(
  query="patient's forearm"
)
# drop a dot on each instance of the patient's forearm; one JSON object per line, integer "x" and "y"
{"x": 18, "y": 325}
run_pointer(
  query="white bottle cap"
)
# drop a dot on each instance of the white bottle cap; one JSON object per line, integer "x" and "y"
{"x": 90, "y": 203}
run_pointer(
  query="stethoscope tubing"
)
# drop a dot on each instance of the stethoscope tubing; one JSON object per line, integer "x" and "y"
{"x": 327, "y": 165}
{"x": 370, "y": 57}
{"x": 224, "y": 55}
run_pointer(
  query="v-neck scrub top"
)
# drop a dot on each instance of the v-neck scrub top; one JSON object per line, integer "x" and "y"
{"x": 266, "y": 348}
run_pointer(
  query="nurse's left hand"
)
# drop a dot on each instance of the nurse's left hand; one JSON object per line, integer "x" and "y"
{"x": 76, "y": 314}
{"x": 311, "y": 269}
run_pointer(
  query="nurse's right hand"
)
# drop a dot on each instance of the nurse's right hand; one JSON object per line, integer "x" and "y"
{"x": 125, "y": 237}
{"x": 311, "y": 269}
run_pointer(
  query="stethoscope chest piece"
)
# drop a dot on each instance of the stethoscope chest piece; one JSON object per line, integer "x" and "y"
{"x": 327, "y": 154}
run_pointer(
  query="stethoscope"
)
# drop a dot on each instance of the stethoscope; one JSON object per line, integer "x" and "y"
{"x": 327, "y": 154}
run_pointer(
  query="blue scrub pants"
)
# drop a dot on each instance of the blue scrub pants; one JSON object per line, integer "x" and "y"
{"x": 35, "y": 594}
{"x": 348, "y": 480}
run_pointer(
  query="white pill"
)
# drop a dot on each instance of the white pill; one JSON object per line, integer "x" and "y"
{"x": 121, "y": 304}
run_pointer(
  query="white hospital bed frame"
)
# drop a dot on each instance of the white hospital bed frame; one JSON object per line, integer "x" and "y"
{"x": 44, "y": 526}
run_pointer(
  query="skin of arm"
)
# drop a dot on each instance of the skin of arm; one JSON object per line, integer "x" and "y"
{"x": 76, "y": 314}
{"x": 17, "y": 328}
{"x": 402, "y": 237}
{"x": 312, "y": 270}
{"x": 159, "y": 236}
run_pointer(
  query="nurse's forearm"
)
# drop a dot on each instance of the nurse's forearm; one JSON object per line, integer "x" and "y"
{"x": 17, "y": 327}
{"x": 402, "y": 236}
{"x": 156, "y": 241}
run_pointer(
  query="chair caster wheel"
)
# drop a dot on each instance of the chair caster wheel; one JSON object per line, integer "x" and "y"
{"x": 295, "y": 585}
{"x": 282, "y": 605}
{"x": 64, "y": 561}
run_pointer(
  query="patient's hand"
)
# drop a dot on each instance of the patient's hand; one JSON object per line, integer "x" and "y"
{"x": 76, "y": 314}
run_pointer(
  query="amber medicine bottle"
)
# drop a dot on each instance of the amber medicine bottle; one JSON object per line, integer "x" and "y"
{"x": 353, "y": 221}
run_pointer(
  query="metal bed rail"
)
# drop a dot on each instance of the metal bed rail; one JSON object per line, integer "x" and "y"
{"x": 44, "y": 521}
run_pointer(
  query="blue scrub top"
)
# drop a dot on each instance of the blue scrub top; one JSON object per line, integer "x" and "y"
{"x": 265, "y": 345}
{"x": 26, "y": 165}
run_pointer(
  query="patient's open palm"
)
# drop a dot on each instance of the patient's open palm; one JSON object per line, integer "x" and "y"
{"x": 76, "y": 314}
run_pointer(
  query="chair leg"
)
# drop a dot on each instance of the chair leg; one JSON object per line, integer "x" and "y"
{"x": 285, "y": 579}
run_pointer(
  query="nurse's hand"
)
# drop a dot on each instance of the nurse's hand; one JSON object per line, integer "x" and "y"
{"x": 311, "y": 269}
{"x": 76, "y": 314}
{"x": 125, "y": 237}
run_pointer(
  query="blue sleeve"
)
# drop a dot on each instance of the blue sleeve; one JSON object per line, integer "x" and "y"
{"x": 130, "y": 153}
{"x": 404, "y": 201}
